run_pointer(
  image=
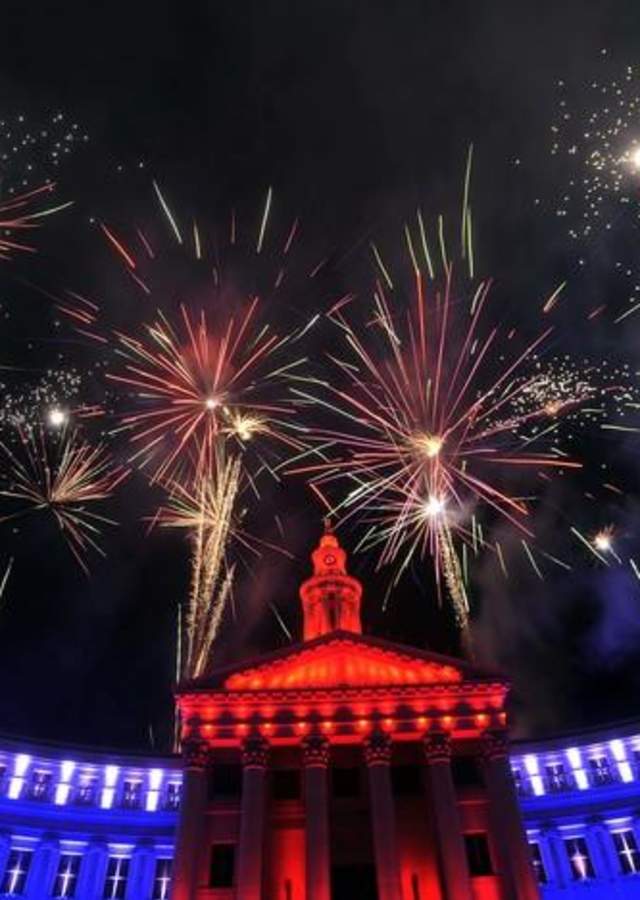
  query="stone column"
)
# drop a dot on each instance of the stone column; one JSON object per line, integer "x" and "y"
{"x": 5, "y": 849}
{"x": 602, "y": 851}
{"x": 43, "y": 869}
{"x": 141, "y": 871}
{"x": 93, "y": 870}
{"x": 518, "y": 877}
{"x": 252, "y": 820}
{"x": 377, "y": 751}
{"x": 195, "y": 754}
{"x": 446, "y": 817}
{"x": 316, "y": 760}
{"x": 561, "y": 870}
{"x": 551, "y": 867}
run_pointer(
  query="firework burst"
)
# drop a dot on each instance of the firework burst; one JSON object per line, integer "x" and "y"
{"x": 430, "y": 397}
{"x": 196, "y": 386}
{"x": 65, "y": 478}
{"x": 201, "y": 382}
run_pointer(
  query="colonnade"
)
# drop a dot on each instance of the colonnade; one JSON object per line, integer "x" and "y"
{"x": 507, "y": 833}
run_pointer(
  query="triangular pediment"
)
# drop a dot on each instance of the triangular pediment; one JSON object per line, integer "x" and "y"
{"x": 344, "y": 660}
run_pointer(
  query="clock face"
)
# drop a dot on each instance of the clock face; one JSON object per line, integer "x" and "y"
{"x": 329, "y": 560}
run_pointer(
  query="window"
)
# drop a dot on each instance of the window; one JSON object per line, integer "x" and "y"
{"x": 86, "y": 790}
{"x": 600, "y": 769}
{"x": 172, "y": 797}
{"x": 521, "y": 790}
{"x": 579, "y": 860}
{"x": 67, "y": 875}
{"x": 538, "y": 863}
{"x": 116, "y": 881}
{"x": 132, "y": 794}
{"x": 627, "y": 850}
{"x": 222, "y": 866}
{"x": 466, "y": 772}
{"x": 162, "y": 879}
{"x": 226, "y": 782}
{"x": 406, "y": 781}
{"x": 286, "y": 784}
{"x": 478, "y": 856}
{"x": 15, "y": 875}
{"x": 345, "y": 782}
{"x": 557, "y": 777}
{"x": 40, "y": 785}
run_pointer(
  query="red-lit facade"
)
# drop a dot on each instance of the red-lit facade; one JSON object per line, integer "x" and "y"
{"x": 348, "y": 767}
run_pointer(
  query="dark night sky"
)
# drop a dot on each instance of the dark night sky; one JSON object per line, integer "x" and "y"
{"x": 354, "y": 111}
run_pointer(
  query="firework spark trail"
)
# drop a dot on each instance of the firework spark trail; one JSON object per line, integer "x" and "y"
{"x": 4, "y": 580}
{"x": 19, "y": 215}
{"x": 431, "y": 418}
{"x": 207, "y": 512}
{"x": 62, "y": 477}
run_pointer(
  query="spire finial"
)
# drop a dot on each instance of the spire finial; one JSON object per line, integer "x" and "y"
{"x": 328, "y": 527}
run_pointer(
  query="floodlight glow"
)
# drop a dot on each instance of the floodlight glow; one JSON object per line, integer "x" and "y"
{"x": 106, "y": 799}
{"x": 110, "y": 776}
{"x": 21, "y": 764}
{"x": 62, "y": 794}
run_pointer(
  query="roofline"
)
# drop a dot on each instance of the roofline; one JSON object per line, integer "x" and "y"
{"x": 104, "y": 755}
{"x": 216, "y": 679}
{"x": 592, "y": 734}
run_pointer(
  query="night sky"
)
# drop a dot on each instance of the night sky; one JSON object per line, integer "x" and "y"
{"x": 354, "y": 112}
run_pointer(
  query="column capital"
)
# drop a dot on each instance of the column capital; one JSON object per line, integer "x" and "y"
{"x": 255, "y": 752}
{"x": 437, "y": 747}
{"x": 377, "y": 749}
{"x": 315, "y": 751}
{"x": 495, "y": 745}
{"x": 195, "y": 754}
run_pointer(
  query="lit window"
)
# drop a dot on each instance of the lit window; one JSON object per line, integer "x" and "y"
{"x": 86, "y": 791}
{"x": 538, "y": 863}
{"x": 40, "y": 786}
{"x": 600, "y": 770}
{"x": 478, "y": 856}
{"x": 132, "y": 794}
{"x": 116, "y": 881}
{"x": 222, "y": 866}
{"x": 162, "y": 879}
{"x": 557, "y": 777}
{"x": 67, "y": 875}
{"x": 172, "y": 798}
{"x": 15, "y": 875}
{"x": 627, "y": 850}
{"x": 519, "y": 783}
{"x": 579, "y": 860}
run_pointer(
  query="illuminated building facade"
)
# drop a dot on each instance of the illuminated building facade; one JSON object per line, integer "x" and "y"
{"x": 85, "y": 824}
{"x": 580, "y": 796}
{"x": 348, "y": 767}
{"x": 341, "y": 767}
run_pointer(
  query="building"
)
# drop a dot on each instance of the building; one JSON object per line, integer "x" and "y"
{"x": 580, "y": 796}
{"x": 347, "y": 766}
{"x": 76, "y": 823}
{"x": 365, "y": 765}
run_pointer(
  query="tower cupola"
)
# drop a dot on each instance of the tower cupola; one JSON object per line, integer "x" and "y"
{"x": 331, "y": 597}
